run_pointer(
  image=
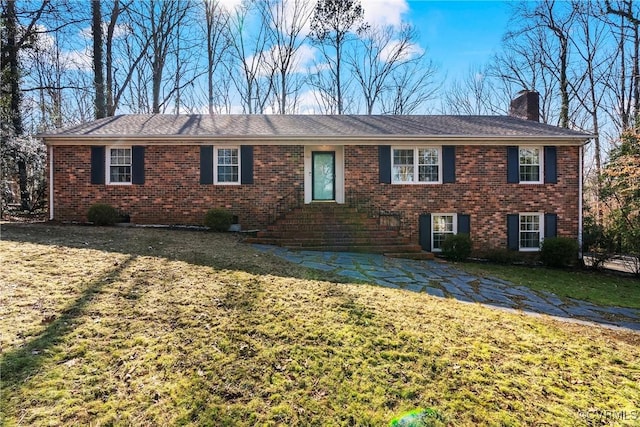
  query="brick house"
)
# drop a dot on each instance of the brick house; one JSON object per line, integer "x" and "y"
{"x": 508, "y": 181}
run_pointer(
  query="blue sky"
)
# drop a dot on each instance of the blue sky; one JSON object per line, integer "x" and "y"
{"x": 459, "y": 34}
{"x": 456, "y": 35}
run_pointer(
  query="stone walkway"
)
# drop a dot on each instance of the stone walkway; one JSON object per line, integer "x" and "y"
{"x": 442, "y": 280}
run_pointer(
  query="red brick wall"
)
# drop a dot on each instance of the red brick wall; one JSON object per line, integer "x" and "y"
{"x": 481, "y": 190}
{"x": 172, "y": 193}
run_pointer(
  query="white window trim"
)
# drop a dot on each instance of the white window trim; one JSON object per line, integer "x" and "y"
{"x": 455, "y": 227}
{"x": 540, "y": 230}
{"x": 107, "y": 161}
{"x": 215, "y": 165}
{"x": 541, "y": 169}
{"x": 416, "y": 173}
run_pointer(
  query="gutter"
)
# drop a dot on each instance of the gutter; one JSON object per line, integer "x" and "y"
{"x": 580, "y": 197}
{"x": 313, "y": 140}
{"x": 51, "y": 183}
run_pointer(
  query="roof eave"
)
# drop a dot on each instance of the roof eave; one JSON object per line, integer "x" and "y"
{"x": 53, "y": 139}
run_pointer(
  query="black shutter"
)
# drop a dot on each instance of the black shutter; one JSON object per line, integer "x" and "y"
{"x": 550, "y": 225}
{"x": 550, "y": 165}
{"x": 97, "y": 165}
{"x": 449, "y": 163}
{"x": 246, "y": 164}
{"x": 137, "y": 164}
{"x": 513, "y": 162}
{"x": 206, "y": 164}
{"x": 464, "y": 224}
{"x": 384, "y": 163}
{"x": 425, "y": 232}
{"x": 513, "y": 231}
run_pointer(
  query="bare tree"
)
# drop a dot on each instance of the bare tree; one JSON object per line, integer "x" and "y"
{"x": 251, "y": 72}
{"x": 156, "y": 23}
{"x": 410, "y": 88}
{"x": 98, "y": 63}
{"x": 286, "y": 21}
{"x": 332, "y": 22}
{"x": 628, "y": 91}
{"x": 216, "y": 27}
{"x": 123, "y": 53}
{"x": 597, "y": 64}
{"x": 377, "y": 55}
{"x": 475, "y": 94}
{"x": 13, "y": 41}
{"x": 548, "y": 24}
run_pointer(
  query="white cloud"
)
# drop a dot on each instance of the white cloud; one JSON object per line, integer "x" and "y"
{"x": 229, "y": 5}
{"x": 412, "y": 51}
{"x": 44, "y": 40}
{"x": 304, "y": 58}
{"x": 119, "y": 31}
{"x": 77, "y": 59}
{"x": 384, "y": 12}
{"x": 308, "y": 102}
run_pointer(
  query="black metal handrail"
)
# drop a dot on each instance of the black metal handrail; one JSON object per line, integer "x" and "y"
{"x": 363, "y": 203}
{"x": 285, "y": 204}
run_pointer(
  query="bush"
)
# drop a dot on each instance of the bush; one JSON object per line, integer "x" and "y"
{"x": 218, "y": 219}
{"x": 456, "y": 247}
{"x": 102, "y": 214}
{"x": 502, "y": 256}
{"x": 559, "y": 252}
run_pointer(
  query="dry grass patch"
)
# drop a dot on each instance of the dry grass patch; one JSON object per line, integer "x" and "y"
{"x": 157, "y": 327}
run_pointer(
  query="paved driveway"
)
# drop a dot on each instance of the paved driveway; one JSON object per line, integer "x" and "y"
{"x": 442, "y": 280}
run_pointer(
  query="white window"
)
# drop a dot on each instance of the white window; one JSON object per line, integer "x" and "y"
{"x": 118, "y": 165}
{"x": 531, "y": 231}
{"x": 226, "y": 162}
{"x": 442, "y": 226}
{"x": 530, "y": 164}
{"x": 416, "y": 165}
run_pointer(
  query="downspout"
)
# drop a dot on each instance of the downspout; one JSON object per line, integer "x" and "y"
{"x": 51, "y": 183}
{"x": 580, "y": 195}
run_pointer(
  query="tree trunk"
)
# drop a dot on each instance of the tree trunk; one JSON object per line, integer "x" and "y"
{"x": 98, "y": 75}
{"x": 15, "y": 100}
{"x": 564, "y": 83}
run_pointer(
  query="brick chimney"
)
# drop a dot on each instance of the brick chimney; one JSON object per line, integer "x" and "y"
{"x": 526, "y": 105}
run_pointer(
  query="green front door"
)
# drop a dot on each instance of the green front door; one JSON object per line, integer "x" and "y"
{"x": 323, "y": 175}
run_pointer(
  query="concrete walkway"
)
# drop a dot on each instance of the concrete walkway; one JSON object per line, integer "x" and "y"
{"x": 442, "y": 280}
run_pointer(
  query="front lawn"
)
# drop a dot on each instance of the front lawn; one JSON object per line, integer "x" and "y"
{"x": 116, "y": 326}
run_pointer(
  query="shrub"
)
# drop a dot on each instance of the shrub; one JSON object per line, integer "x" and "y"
{"x": 102, "y": 214}
{"x": 218, "y": 219}
{"x": 456, "y": 247}
{"x": 502, "y": 256}
{"x": 559, "y": 252}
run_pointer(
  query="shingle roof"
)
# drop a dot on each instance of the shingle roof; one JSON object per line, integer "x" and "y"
{"x": 310, "y": 127}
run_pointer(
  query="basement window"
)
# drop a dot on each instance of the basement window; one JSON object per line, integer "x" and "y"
{"x": 531, "y": 231}
{"x": 443, "y": 225}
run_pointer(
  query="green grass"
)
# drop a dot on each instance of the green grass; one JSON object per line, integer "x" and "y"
{"x": 112, "y": 326}
{"x": 597, "y": 287}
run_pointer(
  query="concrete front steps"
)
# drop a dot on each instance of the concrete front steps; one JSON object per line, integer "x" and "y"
{"x": 339, "y": 228}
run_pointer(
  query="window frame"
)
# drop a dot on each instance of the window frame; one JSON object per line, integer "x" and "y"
{"x": 540, "y": 231}
{"x": 416, "y": 164}
{"x": 540, "y": 179}
{"x": 454, "y": 226}
{"x": 108, "y": 165}
{"x": 216, "y": 180}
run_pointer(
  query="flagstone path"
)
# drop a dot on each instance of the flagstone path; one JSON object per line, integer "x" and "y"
{"x": 445, "y": 281}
